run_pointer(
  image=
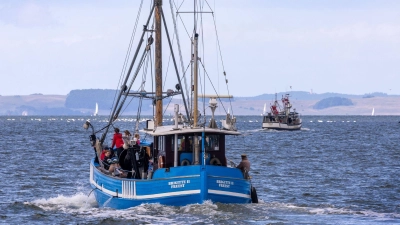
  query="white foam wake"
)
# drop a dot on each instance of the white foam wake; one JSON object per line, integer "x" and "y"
{"x": 64, "y": 203}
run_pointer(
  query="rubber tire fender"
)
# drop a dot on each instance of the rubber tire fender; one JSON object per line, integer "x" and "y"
{"x": 215, "y": 161}
{"x": 185, "y": 162}
{"x": 254, "y": 198}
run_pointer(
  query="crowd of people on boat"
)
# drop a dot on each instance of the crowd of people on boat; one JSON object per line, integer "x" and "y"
{"x": 110, "y": 155}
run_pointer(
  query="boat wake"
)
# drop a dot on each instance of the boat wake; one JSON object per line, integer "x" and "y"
{"x": 64, "y": 203}
{"x": 332, "y": 210}
{"x": 86, "y": 207}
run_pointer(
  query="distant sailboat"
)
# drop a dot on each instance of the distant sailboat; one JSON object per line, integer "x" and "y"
{"x": 96, "y": 112}
{"x": 373, "y": 112}
{"x": 265, "y": 109}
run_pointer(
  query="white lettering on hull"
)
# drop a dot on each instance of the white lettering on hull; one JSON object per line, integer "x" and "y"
{"x": 224, "y": 183}
{"x": 178, "y": 184}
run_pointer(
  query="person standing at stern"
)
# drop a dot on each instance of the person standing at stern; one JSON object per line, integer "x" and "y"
{"x": 244, "y": 166}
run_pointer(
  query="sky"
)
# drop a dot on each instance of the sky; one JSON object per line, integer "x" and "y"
{"x": 341, "y": 46}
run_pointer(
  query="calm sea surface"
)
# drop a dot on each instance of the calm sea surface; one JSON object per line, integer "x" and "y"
{"x": 335, "y": 170}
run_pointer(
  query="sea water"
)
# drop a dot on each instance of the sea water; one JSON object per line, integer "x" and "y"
{"x": 335, "y": 170}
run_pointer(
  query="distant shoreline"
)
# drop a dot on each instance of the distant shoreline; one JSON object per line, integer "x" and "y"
{"x": 39, "y": 104}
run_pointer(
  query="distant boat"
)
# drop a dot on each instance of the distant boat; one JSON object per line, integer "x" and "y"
{"x": 373, "y": 112}
{"x": 96, "y": 112}
{"x": 281, "y": 119}
{"x": 265, "y": 109}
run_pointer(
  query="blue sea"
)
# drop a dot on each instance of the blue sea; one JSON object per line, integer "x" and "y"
{"x": 335, "y": 170}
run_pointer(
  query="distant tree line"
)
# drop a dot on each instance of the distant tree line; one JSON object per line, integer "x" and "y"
{"x": 332, "y": 102}
{"x": 105, "y": 98}
{"x": 303, "y": 95}
{"x": 86, "y": 99}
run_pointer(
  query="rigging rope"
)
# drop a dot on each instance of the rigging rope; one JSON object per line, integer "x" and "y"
{"x": 128, "y": 52}
{"x": 179, "y": 50}
{"x": 222, "y": 61}
{"x": 213, "y": 87}
{"x": 203, "y": 59}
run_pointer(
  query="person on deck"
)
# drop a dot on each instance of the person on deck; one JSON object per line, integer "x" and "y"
{"x": 103, "y": 153}
{"x": 127, "y": 137}
{"x": 106, "y": 158}
{"x": 111, "y": 164}
{"x": 118, "y": 142}
{"x": 182, "y": 147}
{"x": 136, "y": 139}
{"x": 244, "y": 166}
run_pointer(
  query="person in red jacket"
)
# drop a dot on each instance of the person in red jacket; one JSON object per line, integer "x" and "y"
{"x": 118, "y": 142}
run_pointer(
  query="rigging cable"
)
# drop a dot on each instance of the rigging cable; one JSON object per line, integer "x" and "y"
{"x": 179, "y": 48}
{"x": 222, "y": 61}
{"x": 213, "y": 87}
{"x": 201, "y": 7}
{"x": 128, "y": 52}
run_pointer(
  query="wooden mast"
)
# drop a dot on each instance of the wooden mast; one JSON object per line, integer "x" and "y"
{"x": 158, "y": 63}
{"x": 195, "y": 78}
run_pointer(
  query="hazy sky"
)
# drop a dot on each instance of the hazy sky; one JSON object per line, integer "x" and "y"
{"x": 352, "y": 47}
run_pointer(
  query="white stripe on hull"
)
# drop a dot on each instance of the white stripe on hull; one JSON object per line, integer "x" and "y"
{"x": 234, "y": 194}
{"x": 281, "y": 126}
{"x": 131, "y": 194}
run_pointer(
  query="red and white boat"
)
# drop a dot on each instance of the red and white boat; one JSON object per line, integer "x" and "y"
{"x": 281, "y": 119}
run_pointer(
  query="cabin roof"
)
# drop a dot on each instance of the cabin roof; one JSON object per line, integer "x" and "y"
{"x": 170, "y": 129}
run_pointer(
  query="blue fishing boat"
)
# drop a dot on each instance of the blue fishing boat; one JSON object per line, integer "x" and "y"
{"x": 174, "y": 164}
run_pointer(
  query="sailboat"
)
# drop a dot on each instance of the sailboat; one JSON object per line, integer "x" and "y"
{"x": 176, "y": 164}
{"x": 373, "y": 112}
{"x": 284, "y": 119}
{"x": 96, "y": 111}
{"x": 264, "y": 110}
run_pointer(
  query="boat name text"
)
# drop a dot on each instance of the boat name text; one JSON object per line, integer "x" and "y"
{"x": 178, "y": 184}
{"x": 225, "y": 183}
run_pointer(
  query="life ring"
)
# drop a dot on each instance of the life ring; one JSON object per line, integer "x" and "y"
{"x": 215, "y": 161}
{"x": 254, "y": 198}
{"x": 185, "y": 162}
{"x": 161, "y": 160}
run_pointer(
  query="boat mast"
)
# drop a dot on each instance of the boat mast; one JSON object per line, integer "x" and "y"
{"x": 195, "y": 88}
{"x": 158, "y": 62}
{"x": 195, "y": 79}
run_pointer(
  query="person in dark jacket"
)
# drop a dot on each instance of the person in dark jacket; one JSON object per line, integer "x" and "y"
{"x": 244, "y": 166}
{"x": 107, "y": 157}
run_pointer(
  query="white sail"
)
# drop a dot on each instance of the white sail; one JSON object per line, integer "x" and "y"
{"x": 265, "y": 109}
{"x": 373, "y": 111}
{"x": 97, "y": 109}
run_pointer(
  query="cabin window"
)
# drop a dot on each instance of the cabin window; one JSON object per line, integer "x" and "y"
{"x": 181, "y": 143}
{"x": 161, "y": 143}
{"x": 185, "y": 143}
{"x": 211, "y": 143}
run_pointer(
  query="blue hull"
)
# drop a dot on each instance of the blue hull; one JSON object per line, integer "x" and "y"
{"x": 174, "y": 186}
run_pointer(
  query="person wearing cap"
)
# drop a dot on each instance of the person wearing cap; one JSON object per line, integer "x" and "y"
{"x": 244, "y": 166}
